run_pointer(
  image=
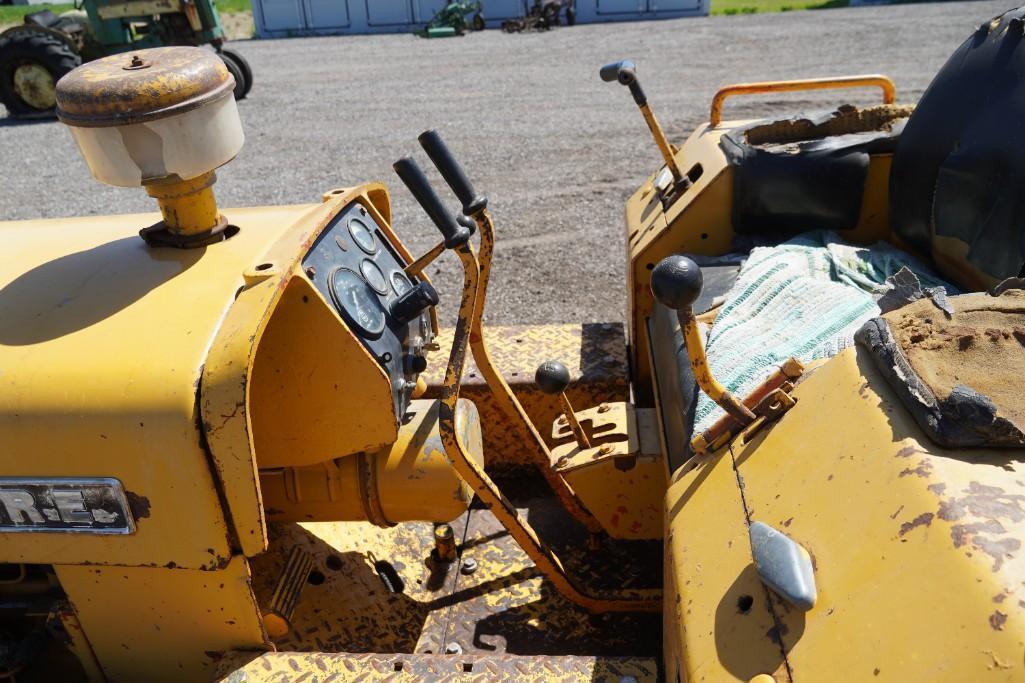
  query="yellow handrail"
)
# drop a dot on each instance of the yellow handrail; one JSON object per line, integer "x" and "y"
{"x": 867, "y": 80}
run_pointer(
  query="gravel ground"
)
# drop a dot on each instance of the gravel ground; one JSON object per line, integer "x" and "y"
{"x": 555, "y": 149}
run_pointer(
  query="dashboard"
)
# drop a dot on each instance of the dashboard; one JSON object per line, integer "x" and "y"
{"x": 355, "y": 266}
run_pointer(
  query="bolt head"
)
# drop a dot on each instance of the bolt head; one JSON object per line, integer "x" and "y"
{"x": 453, "y": 649}
{"x": 469, "y": 565}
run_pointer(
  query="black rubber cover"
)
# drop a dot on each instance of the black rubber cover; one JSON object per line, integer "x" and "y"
{"x": 452, "y": 172}
{"x": 959, "y": 168}
{"x": 411, "y": 174}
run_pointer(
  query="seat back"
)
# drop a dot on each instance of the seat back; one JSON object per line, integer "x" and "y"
{"x": 957, "y": 185}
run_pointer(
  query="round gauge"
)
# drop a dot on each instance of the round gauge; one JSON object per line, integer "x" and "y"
{"x": 362, "y": 235}
{"x": 373, "y": 275}
{"x": 400, "y": 283}
{"x": 357, "y": 302}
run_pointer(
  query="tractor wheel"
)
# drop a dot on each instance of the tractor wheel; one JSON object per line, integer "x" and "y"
{"x": 235, "y": 69}
{"x": 478, "y": 22}
{"x": 31, "y": 63}
{"x": 243, "y": 65}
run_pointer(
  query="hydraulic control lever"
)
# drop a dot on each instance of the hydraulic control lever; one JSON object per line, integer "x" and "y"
{"x": 625, "y": 72}
{"x": 552, "y": 377}
{"x": 676, "y": 282}
{"x": 468, "y": 335}
{"x": 454, "y": 233}
{"x": 475, "y": 207}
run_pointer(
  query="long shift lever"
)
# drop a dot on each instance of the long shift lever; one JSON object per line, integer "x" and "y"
{"x": 468, "y": 334}
{"x": 452, "y": 172}
{"x": 409, "y": 171}
{"x": 625, "y": 72}
{"x": 676, "y": 282}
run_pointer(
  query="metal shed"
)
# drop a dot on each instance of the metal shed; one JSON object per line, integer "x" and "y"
{"x": 283, "y": 18}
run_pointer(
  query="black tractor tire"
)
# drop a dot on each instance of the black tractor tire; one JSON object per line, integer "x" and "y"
{"x": 236, "y": 71}
{"x": 571, "y": 16}
{"x": 20, "y": 47}
{"x": 243, "y": 65}
{"x": 478, "y": 22}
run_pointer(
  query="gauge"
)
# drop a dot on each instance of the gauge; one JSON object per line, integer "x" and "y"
{"x": 358, "y": 302}
{"x": 362, "y": 235}
{"x": 400, "y": 283}
{"x": 373, "y": 275}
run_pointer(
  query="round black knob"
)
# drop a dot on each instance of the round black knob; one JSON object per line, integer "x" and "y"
{"x": 552, "y": 377}
{"x": 415, "y": 364}
{"x": 676, "y": 282}
{"x": 409, "y": 305}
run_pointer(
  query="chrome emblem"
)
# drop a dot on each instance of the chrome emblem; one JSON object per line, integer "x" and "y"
{"x": 57, "y": 504}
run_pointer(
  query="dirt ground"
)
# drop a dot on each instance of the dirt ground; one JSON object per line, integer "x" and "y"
{"x": 556, "y": 150}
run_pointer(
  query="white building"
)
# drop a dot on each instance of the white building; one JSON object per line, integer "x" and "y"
{"x": 283, "y": 18}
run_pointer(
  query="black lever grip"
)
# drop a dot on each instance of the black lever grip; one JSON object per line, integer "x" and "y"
{"x": 452, "y": 172}
{"x": 623, "y": 71}
{"x": 626, "y": 73}
{"x": 455, "y": 234}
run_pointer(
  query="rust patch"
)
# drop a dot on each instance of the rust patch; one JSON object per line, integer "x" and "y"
{"x": 998, "y": 549}
{"x": 997, "y": 620}
{"x": 999, "y": 597}
{"x": 894, "y": 515}
{"x": 938, "y": 489}
{"x": 139, "y": 505}
{"x": 907, "y": 452}
{"x": 924, "y": 519}
{"x": 924, "y": 469}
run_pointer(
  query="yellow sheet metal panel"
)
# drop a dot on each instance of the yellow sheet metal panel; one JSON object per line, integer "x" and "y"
{"x": 227, "y": 375}
{"x": 149, "y": 624}
{"x": 315, "y": 392}
{"x": 102, "y": 342}
{"x": 716, "y": 622}
{"x": 916, "y": 548}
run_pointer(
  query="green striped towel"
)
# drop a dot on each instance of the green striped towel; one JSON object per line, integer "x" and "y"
{"x": 804, "y": 298}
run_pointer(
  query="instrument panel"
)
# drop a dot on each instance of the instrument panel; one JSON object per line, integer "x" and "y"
{"x": 355, "y": 266}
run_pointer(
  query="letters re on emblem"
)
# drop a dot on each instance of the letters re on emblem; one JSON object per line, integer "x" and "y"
{"x": 57, "y": 504}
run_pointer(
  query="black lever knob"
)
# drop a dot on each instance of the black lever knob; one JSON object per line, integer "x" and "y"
{"x": 626, "y": 73}
{"x": 409, "y": 171}
{"x": 676, "y": 282}
{"x": 452, "y": 172}
{"x": 552, "y": 377}
{"x": 411, "y": 303}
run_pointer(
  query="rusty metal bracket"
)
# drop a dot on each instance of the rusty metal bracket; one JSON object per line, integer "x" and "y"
{"x": 726, "y": 427}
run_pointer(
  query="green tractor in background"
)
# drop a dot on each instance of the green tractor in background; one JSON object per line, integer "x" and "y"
{"x": 451, "y": 20}
{"x": 34, "y": 55}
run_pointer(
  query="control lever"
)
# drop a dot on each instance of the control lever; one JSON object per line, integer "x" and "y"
{"x": 467, "y": 334}
{"x": 625, "y": 72}
{"x": 454, "y": 233}
{"x": 552, "y": 378}
{"x": 411, "y": 303}
{"x": 475, "y": 208}
{"x": 676, "y": 282}
{"x": 452, "y": 172}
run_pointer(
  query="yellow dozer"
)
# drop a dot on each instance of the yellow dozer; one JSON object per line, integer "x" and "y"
{"x": 235, "y": 444}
